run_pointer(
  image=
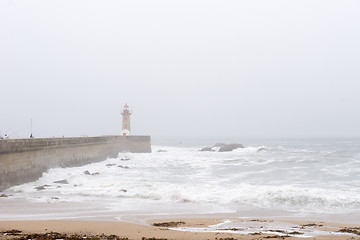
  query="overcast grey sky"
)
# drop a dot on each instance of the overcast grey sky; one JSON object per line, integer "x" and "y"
{"x": 225, "y": 68}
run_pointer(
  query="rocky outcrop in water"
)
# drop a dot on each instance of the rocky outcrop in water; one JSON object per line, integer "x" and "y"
{"x": 222, "y": 147}
{"x": 43, "y": 187}
{"x": 62, "y": 181}
{"x": 125, "y": 167}
{"x": 230, "y": 147}
{"x": 207, "y": 149}
{"x": 88, "y": 173}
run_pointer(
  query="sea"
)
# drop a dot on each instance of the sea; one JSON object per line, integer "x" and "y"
{"x": 298, "y": 178}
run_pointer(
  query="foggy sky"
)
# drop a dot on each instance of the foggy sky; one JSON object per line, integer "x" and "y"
{"x": 187, "y": 68}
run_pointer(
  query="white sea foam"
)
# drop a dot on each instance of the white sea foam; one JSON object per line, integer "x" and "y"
{"x": 267, "y": 227}
{"x": 187, "y": 180}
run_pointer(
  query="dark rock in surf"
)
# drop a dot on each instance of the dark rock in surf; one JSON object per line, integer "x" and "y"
{"x": 125, "y": 167}
{"x": 230, "y": 147}
{"x": 87, "y": 172}
{"x": 3, "y": 195}
{"x": 40, "y": 188}
{"x": 110, "y": 165}
{"x": 96, "y": 173}
{"x": 62, "y": 181}
{"x": 125, "y": 159}
{"x": 207, "y": 149}
{"x": 160, "y": 150}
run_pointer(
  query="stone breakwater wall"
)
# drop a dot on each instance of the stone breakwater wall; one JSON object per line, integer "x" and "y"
{"x": 24, "y": 160}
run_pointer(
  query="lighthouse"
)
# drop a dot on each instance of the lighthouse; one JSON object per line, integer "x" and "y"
{"x": 126, "y": 120}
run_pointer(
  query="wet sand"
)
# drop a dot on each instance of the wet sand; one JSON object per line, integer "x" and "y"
{"x": 90, "y": 220}
{"x": 164, "y": 229}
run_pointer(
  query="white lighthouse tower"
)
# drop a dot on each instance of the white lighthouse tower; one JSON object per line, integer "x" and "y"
{"x": 126, "y": 120}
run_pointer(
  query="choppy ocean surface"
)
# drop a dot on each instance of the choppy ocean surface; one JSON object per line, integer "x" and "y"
{"x": 300, "y": 178}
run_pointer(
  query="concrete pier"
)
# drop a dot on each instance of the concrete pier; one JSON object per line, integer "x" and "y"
{"x": 24, "y": 160}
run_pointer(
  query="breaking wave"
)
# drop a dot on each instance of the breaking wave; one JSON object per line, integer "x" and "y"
{"x": 266, "y": 177}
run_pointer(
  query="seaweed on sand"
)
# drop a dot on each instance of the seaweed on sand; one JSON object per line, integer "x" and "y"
{"x": 168, "y": 224}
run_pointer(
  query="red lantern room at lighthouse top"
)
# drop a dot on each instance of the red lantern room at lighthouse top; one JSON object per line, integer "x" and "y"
{"x": 126, "y": 120}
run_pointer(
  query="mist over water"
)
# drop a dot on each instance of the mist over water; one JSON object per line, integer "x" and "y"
{"x": 303, "y": 177}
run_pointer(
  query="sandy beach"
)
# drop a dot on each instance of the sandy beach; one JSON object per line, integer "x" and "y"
{"x": 164, "y": 229}
{"x": 31, "y": 218}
